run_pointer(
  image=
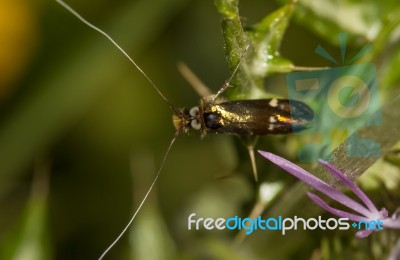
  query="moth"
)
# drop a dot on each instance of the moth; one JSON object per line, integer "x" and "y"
{"x": 236, "y": 117}
{"x": 244, "y": 117}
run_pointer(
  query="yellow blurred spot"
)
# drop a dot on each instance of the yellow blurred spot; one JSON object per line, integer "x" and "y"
{"x": 18, "y": 27}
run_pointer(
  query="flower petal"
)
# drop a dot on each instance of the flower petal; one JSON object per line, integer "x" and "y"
{"x": 349, "y": 183}
{"x": 316, "y": 183}
{"x": 337, "y": 212}
{"x": 364, "y": 233}
{"x": 391, "y": 223}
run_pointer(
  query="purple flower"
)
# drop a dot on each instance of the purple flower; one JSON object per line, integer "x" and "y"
{"x": 367, "y": 212}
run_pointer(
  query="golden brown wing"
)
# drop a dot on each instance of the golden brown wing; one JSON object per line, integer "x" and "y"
{"x": 257, "y": 117}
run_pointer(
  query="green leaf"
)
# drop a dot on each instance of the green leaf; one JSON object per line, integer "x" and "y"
{"x": 266, "y": 38}
{"x": 263, "y": 56}
{"x": 228, "y": 8}
{"x": 361, "y": 19}
{"x": 236, "y": 41}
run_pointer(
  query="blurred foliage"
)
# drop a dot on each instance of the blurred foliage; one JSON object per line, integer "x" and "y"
{"x": 29, "y": 238}
{"x": 18, "y": 38}
{"x": 68, "y": 95}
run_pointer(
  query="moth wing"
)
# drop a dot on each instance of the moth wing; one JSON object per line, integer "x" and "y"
{"x": 265, "y": 116}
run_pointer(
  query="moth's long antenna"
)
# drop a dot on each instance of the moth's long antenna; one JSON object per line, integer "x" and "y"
{"x": 72, "y": 11}
{"x": 162, "y": 96}
{"x": 143, "y": 200}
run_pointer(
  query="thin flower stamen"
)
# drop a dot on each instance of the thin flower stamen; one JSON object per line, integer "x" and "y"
{"x": 349, "y": 183}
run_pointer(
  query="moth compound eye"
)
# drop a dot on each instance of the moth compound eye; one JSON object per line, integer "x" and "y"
{"x": 194, "y": 111}
{"x": 195, "y": 124}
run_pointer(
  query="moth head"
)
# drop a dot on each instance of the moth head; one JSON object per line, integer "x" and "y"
{"x": 185, "y": 119}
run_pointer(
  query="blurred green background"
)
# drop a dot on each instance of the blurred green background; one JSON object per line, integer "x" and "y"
{"x": 82, "y": 133}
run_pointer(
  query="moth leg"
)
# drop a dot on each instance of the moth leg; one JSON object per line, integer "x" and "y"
{"x": 193, "y": 80}
{"x": 250, "y": 142}
{"x": 250, "y": 148}
{"x": 228, "y": 82}
{"x": 221, "y": 90}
